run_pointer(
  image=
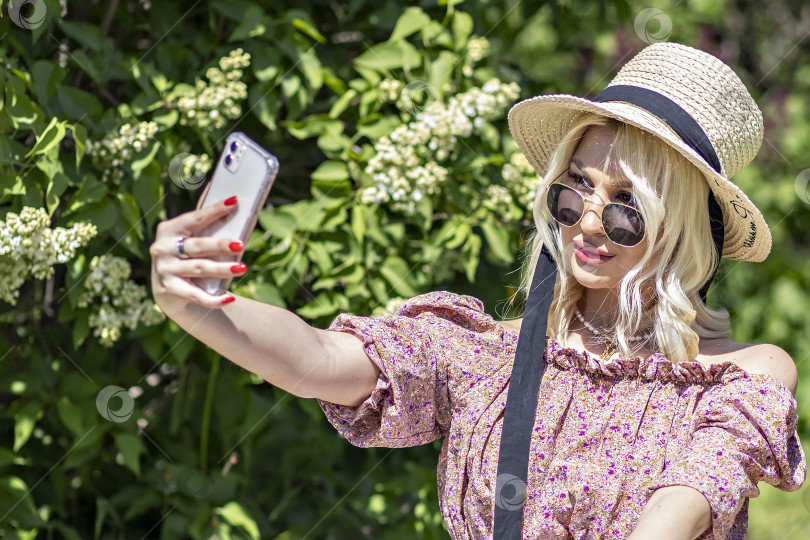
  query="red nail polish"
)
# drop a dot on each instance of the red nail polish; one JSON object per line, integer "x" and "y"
{"x": 230, "y": 201}
{"x": 236, "y": 246}
{"x": 228, "y": 299}
{"x": 238, "y": 268}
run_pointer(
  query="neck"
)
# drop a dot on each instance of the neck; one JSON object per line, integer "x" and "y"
{"x": 600, "y": 307}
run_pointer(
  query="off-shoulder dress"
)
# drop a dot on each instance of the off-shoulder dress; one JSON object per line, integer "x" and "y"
{"x": 607, "y": 434}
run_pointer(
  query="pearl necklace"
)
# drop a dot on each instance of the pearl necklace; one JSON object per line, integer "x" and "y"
{"x": 606, "y": 337}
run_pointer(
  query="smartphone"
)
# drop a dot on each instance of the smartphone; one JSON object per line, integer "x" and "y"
{"x": 246, "y": 170}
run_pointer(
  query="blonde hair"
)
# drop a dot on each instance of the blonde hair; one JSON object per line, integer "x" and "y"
{"x": 680, "y": 255}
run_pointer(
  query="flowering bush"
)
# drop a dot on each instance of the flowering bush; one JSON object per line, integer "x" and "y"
{"x": 30, "y": 249}
{"x": 210, "y": 105}
{"x": 117, "y": 301}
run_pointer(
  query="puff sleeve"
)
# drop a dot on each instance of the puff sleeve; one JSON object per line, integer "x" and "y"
{"x": 411, "y": 403}
{"x": 744, "y": 432}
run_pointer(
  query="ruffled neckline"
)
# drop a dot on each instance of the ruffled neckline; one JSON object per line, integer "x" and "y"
{"x": 656, "y": 367}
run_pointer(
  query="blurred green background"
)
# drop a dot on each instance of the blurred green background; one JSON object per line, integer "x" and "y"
{"x": 116, "y": 424}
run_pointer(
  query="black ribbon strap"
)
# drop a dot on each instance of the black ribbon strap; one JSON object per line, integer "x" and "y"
{"x": 521, "y": 402}
{"x": 530, "y": 362}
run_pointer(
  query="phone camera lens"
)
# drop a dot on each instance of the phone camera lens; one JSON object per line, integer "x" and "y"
{"x": 234, "y": 146}
{"x": 228, "y": 160}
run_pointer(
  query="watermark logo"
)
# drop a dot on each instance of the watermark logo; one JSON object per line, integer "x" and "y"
{"x": 801, "y": 185}
{"x": 105, "y": 398}
{"x": 187, "y": 171}
{"x": 28, "y": 14}
{"x": 510, "y": 492}
{"x": 417, "y": 95}
{"x": 652, "y": 25}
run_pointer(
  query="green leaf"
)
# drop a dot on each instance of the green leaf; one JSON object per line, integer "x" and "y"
{"x": 409, "y": 22}
{"x": 472, "y": 253}
{"x": 46, "y": 76}
{"x": 77, "y": 103}
{"x": 331, "y": 171}
{"x": 497, "y": 240}
{"x": 131, "y": 447}
{"x": 143, "y": 158}
{"x": 318, "y": 254}
{"x": 10, "y": 151}
{"x": 90, "y": 191}
{"x": 311, "y": 67}
{"x": 441, "y": 73}
{"x": 24, "y": 422}
{"x": 253, "y": 23}
{"x": 70, "y": 415}
{"x": 49, "y": 163}
{"x": 236, "y": 515}
{"x": 384, "y": 57}
{"x": 81, "y": 329}
{"x": 309, "y": 30}
{"x": 342, "y": 103}
{"x": 56, "y": 187}
{"x": 358, "y": 222}
{"x": 79, "y": 140}
{"x": 21, "y": 111}
{"x": 52, "y": 136}
{"x": 462, "y": 28}
{"x": 87, "y": 34}
{"x": 396, "y": 272}
{"x": 265, "y": 105}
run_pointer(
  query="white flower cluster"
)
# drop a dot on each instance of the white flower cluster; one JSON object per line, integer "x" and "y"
{"x": 195, "y": 167}
{"x": 210, "y": 104}
{"x": 477, "y": 50}
{"x": 390, "y": 308}
{"x": 498, "y": 200}
{"x": 118, "y": 301}
{"x": 389, "y": 90}
{"x": 28, "y": 247}
{"x": 118, "y": 147}
{"x": 521, "y": 179}
{"x": 406, "y": 165}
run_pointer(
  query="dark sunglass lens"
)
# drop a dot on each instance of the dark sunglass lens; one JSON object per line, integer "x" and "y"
{"x": 565, "y": 204}
{"x": 623, "y": 224}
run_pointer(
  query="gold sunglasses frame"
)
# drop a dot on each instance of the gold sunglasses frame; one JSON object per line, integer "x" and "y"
{"x": 586, "y": 202}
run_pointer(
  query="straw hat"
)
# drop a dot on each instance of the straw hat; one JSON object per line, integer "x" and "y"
{"x": 700, "y": 107}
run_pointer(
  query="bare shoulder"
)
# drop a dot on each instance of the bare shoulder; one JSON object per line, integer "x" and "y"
{"x": 512, "y": 325}
{"x": 762, "y": 358}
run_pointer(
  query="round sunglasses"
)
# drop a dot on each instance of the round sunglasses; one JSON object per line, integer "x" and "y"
{"x": 622, "y": 223}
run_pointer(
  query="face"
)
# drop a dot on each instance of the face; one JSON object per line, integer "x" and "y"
{"x": 597, "y": 185}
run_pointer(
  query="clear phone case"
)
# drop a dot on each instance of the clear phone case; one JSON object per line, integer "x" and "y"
{"x": 246, "y": 170}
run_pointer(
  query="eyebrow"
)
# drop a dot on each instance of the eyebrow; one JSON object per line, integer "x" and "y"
{"x": 578, "y": 163}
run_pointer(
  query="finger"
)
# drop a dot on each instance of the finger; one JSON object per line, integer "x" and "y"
{"x": 201, "y": 246}
{"x": 189, "y": 223}
{"x": 206, "y": 268}
{"x": 181, "y": 288}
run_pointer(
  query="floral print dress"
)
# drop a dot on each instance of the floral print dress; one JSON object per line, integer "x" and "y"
{"x": 607, "y": 434}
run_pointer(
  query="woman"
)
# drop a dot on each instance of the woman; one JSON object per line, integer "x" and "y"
{"x": 649, "y": 422}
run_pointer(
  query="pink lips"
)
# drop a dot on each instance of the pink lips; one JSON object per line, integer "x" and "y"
{"x": 589, "y": 256}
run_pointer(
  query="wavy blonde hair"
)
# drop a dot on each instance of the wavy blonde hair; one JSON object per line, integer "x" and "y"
{"x": 680, "y": 256}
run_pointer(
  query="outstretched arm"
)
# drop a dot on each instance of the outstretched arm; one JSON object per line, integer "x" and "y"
{"x": 673, "y": 513}
{"x": 267, "y": 340}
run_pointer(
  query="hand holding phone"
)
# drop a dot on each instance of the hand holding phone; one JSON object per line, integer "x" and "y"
{"x": 247, "y": 171}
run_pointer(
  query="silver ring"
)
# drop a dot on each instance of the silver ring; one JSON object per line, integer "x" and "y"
{"x": 180, "y": 252}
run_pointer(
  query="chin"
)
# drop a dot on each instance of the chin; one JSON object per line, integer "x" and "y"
{"x": 593, "y": 278}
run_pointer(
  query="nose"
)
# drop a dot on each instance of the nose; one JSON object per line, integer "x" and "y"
{"x": 591, "y": 222}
